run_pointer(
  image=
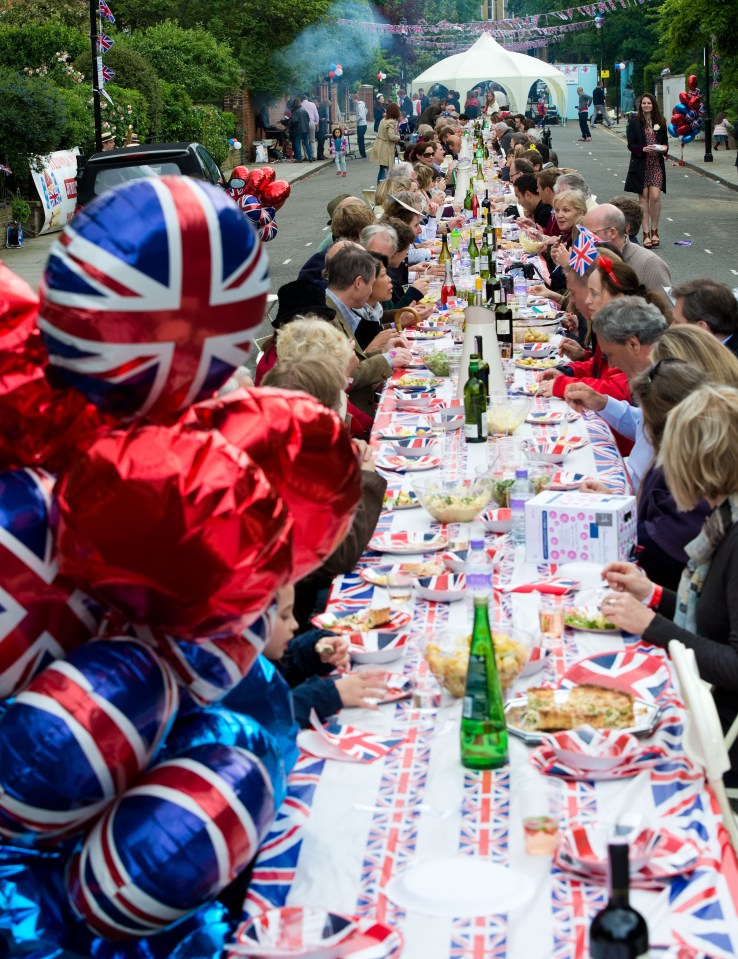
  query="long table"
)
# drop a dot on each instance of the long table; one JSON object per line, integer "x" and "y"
{"x": 346, "y": 830}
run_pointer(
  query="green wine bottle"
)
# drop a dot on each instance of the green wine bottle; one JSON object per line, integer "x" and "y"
{"x": 445, "y": 254}
{"x": 484, "y": 256}
{"x": 493, "y": 285}
{"x": 483, "y": 726}
{"x": 482, "y": 363}
{"x": 468, "y": 204}
{"x": 475, "y": 406}
{"x": 473, "y": 253}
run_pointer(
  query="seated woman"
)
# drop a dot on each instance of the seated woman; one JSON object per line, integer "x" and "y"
{"x": 570, "y": 208}
{"x": 699, "y": 456}
{"x": 372, "y": 314}
{"x": 314, "y": 374}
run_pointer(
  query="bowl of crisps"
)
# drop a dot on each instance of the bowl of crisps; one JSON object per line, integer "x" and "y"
{"x": 505, "y": 415}
{"x": 529, "y": 244}
{"x": 447, "y": 655}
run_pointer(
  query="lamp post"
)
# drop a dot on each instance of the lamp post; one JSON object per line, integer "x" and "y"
{"x": 707, "y": 125}
{"x": 403, "y": 52}
{"x": 599, "y": 22}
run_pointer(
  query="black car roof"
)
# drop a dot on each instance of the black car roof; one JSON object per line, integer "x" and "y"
{"x": 142, "y": 149}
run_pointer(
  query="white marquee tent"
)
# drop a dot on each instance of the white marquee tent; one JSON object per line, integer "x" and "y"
{"x": 487, "y": 60}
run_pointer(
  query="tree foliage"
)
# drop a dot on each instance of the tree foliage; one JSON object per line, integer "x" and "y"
{"x": 193, "y": 57}
{"x": 134, "y": 72}
{"x": 33, "y": 118}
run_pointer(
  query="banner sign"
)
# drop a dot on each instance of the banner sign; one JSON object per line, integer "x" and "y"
{"x": 55, "y": 179}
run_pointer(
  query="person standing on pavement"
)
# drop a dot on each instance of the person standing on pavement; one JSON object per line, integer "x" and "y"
{"x": 298, "y": 129}
{"x": 361, "y": 125}
{"x": 584, "y": 102}
{"x": 647, "y": 142}
{"x": 598, "y": 102}
{"x": 378, "y": 111}
{"x": 313, "y": 120}
{"x": 385, "y": 146}
{"x": 324, "y": 118}
{"x": 628, "y": 105}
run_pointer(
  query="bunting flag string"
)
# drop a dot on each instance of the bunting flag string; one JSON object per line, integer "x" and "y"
{"x": 715, "y": 63}
{"x": 494, "y": 27}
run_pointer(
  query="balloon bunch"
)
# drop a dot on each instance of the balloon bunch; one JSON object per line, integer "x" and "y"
{"x": 687, "y": 116}
{"x": 138, "y": 580}
{"x": 335, "y": 70}
{"x": 259, "y": 195}
{"x": 381, "y": 76}
{"x": 234, "y": 144}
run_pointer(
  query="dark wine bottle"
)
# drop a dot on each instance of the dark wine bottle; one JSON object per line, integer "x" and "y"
{"x": 475, "y": 406}
{"x": 504, "y": 322}
{"x": 618, "y": 931}
{"x": 482, "y": 363}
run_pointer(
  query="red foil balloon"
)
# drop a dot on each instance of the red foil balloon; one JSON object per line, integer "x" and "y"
{"x": 692, "y": 81}
{"x": 255, "y": 181}
{"x": 177, "y": 529}
{"x": 306, "y": 453}
{"x": 239, "y": 173}
{"x": 684, "y": 97}
{"x": 40, "y": 426}
{"x": 276, "y": 194}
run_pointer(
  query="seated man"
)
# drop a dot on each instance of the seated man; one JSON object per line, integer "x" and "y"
{"x": 348, "y": 220}
{"x": 712, "y": 306}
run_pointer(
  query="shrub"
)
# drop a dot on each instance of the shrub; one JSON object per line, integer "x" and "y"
{"x": 33, "y": 118}
{"x": 134, "y": 72}
{"x": 213, "y": 132}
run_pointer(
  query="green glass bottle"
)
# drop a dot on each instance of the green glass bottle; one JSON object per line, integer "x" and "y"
{"x": 475, "y": 406}
{"x": 493, "y": 284}
{"x": 484, "y": 256}
{"x": 473, "y": 253}
{"x": 482, "y": 363}
{"x": 483, "y": 726}
{"x": 468, "y": 203}
{"x": 445, "y": 254}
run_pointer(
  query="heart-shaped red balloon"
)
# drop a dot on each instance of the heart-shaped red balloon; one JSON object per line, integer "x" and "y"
{"x": 683, "y": 97}
{"x": 694, "y": 102}
{"x": 239, "y": 172}
{"x": 270, "y": 174}
{"x": 254, "y": 183}
{"x": 692, "y": 81}
{"x": 276, "y": 194}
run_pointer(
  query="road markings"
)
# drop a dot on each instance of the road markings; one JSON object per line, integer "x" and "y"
{"x": 734, "y": 272}
{"x": 708, "y": 251}
{"x": 309, "y": 244}
{"x": 669, "y": 219}
{"x": 688, "y": 234}
{"x": 325, "y": 228}
{"x": 285, "y": 262}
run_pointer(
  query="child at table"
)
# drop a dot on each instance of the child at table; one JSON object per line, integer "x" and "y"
{"x": 339, "y": 149}
{"x": 306, "y": 660}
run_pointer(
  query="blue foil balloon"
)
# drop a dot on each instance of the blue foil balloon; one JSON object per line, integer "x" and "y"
{"x": 672, "y": 130}
{"x": 687, "y": 138}
{"x": 217, "y": 725}
{"x": 200, "y": 936}
{"x": 32, "y": 901}
{"x": 265, "y": 695}
{"x": 680, "y": 108}
{"x": 173, "y": 842}
{"x": 81, "y": 733}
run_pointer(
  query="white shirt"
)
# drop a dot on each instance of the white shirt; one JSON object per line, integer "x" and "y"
{"x": 361, "y": 113}
{"x": 628, "y": 421}
{"x": 311, "y": 110}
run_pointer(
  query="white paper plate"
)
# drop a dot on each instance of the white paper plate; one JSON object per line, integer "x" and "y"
{"x": 463, "y": 886}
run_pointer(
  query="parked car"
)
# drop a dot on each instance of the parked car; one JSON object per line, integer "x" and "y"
{"x": 102, "y": 171}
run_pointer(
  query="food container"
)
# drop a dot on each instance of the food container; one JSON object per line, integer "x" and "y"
{"x": 506, "y": 415}
{"x": 447, "y": 655}
{"x": 453, "y": 500}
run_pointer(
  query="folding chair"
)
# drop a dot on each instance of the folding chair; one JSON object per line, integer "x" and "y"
{"x": 704, "y": 741}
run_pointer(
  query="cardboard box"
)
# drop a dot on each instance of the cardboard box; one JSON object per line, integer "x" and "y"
{"x": 579, "y": 527}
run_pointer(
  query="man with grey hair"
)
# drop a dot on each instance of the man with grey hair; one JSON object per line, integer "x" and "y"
{"x": 379, "y": 238}
{"x": 504, "y": 135}
{"x": 608, "y": 223}
{"x": 627, "y": 329}
{"x": 403, "y": 169}
{"x": 573, "y": 181}
{"x": 351, "y": 273}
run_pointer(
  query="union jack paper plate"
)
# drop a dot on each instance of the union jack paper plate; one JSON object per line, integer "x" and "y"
{"x": 377, "y": 647}
{"x": 646, "y": 717}
{"x": 536, "y": 662}
{"x": 573, "y": 442}
{"x": 399, "y": 687}
{"x": 422, "y": 403}
{"x": 655, "y": 855}
{"x": 405, "y": 464}
{"x": 377, "y": 575}
{"x": 641, "y": 674}
{"x": 408, "y": 542}
{"x": 409, "y": 381}
{"x": 455, "y": 560}
{"x": 415, "y": 448}
{"x": 538, "y": 349}
{"x": 526, "y": 389}
{"x": 543, "y": 417}
{"x": 350, "y": 621}
{"x": 419, "y": 334}
{"x": 295, "y": 932}
{"x": 593, "y": 754}
{"x": 534, "y": 363}
{"x": 589, "y": 619}
{"x": 444, "y": 588}
{"x": 564, "y": 480}
{"x": 497, "y": 520}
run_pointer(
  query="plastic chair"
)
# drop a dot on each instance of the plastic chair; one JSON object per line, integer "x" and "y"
{"x": 704, "y": 741}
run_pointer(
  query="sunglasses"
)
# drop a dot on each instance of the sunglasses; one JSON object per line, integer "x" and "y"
{"x": 653, "y": 370}
{"x": 428, "y": 155}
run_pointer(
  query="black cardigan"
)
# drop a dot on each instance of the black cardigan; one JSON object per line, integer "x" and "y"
{"x": 636, "y": 142}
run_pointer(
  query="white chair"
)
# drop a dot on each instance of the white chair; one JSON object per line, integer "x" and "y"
{"x": 704, "y": 741}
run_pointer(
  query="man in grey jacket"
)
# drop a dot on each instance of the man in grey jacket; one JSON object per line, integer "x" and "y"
{"x": 584, "y": 102}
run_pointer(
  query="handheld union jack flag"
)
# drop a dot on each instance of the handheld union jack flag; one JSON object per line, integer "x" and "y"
{"x": 583, "y": 252}
{"x": 106, "y": 12}
{"x": 151, "y": 293}
{"x": 104, "y": 43}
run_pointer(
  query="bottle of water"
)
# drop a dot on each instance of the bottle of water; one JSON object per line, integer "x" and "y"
{"x": 465, "y": 262}
{"x": 478, "y": 571}
{"x": 521, "y": 292}
{"x": 519, "y": 496}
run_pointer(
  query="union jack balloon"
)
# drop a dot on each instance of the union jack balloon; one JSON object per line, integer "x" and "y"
{"x": 151, "y": 294}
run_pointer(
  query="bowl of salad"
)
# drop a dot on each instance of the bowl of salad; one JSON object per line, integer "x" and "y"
{"x": 453, "y": 500}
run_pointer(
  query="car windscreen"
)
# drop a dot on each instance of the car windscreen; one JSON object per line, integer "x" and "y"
{"x": 108, "y": 178}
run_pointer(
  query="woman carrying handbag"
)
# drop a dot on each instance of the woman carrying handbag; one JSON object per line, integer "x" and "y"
{"x": 647, "y": 142}
{"x": 385, "y": 145}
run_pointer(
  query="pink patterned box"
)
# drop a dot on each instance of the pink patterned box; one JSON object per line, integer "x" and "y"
{"x": 584, "y": 527}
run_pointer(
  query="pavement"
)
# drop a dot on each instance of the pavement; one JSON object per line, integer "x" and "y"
{"x": 30, "y": 260}
{"x": 722, "y": 169}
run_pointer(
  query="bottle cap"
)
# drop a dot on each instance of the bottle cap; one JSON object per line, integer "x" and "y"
{"x": 476, "y": 543}
{"x": 521, "y": 474}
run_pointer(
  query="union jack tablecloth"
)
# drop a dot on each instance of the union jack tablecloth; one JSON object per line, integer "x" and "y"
{"x": 345, "y": 830}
